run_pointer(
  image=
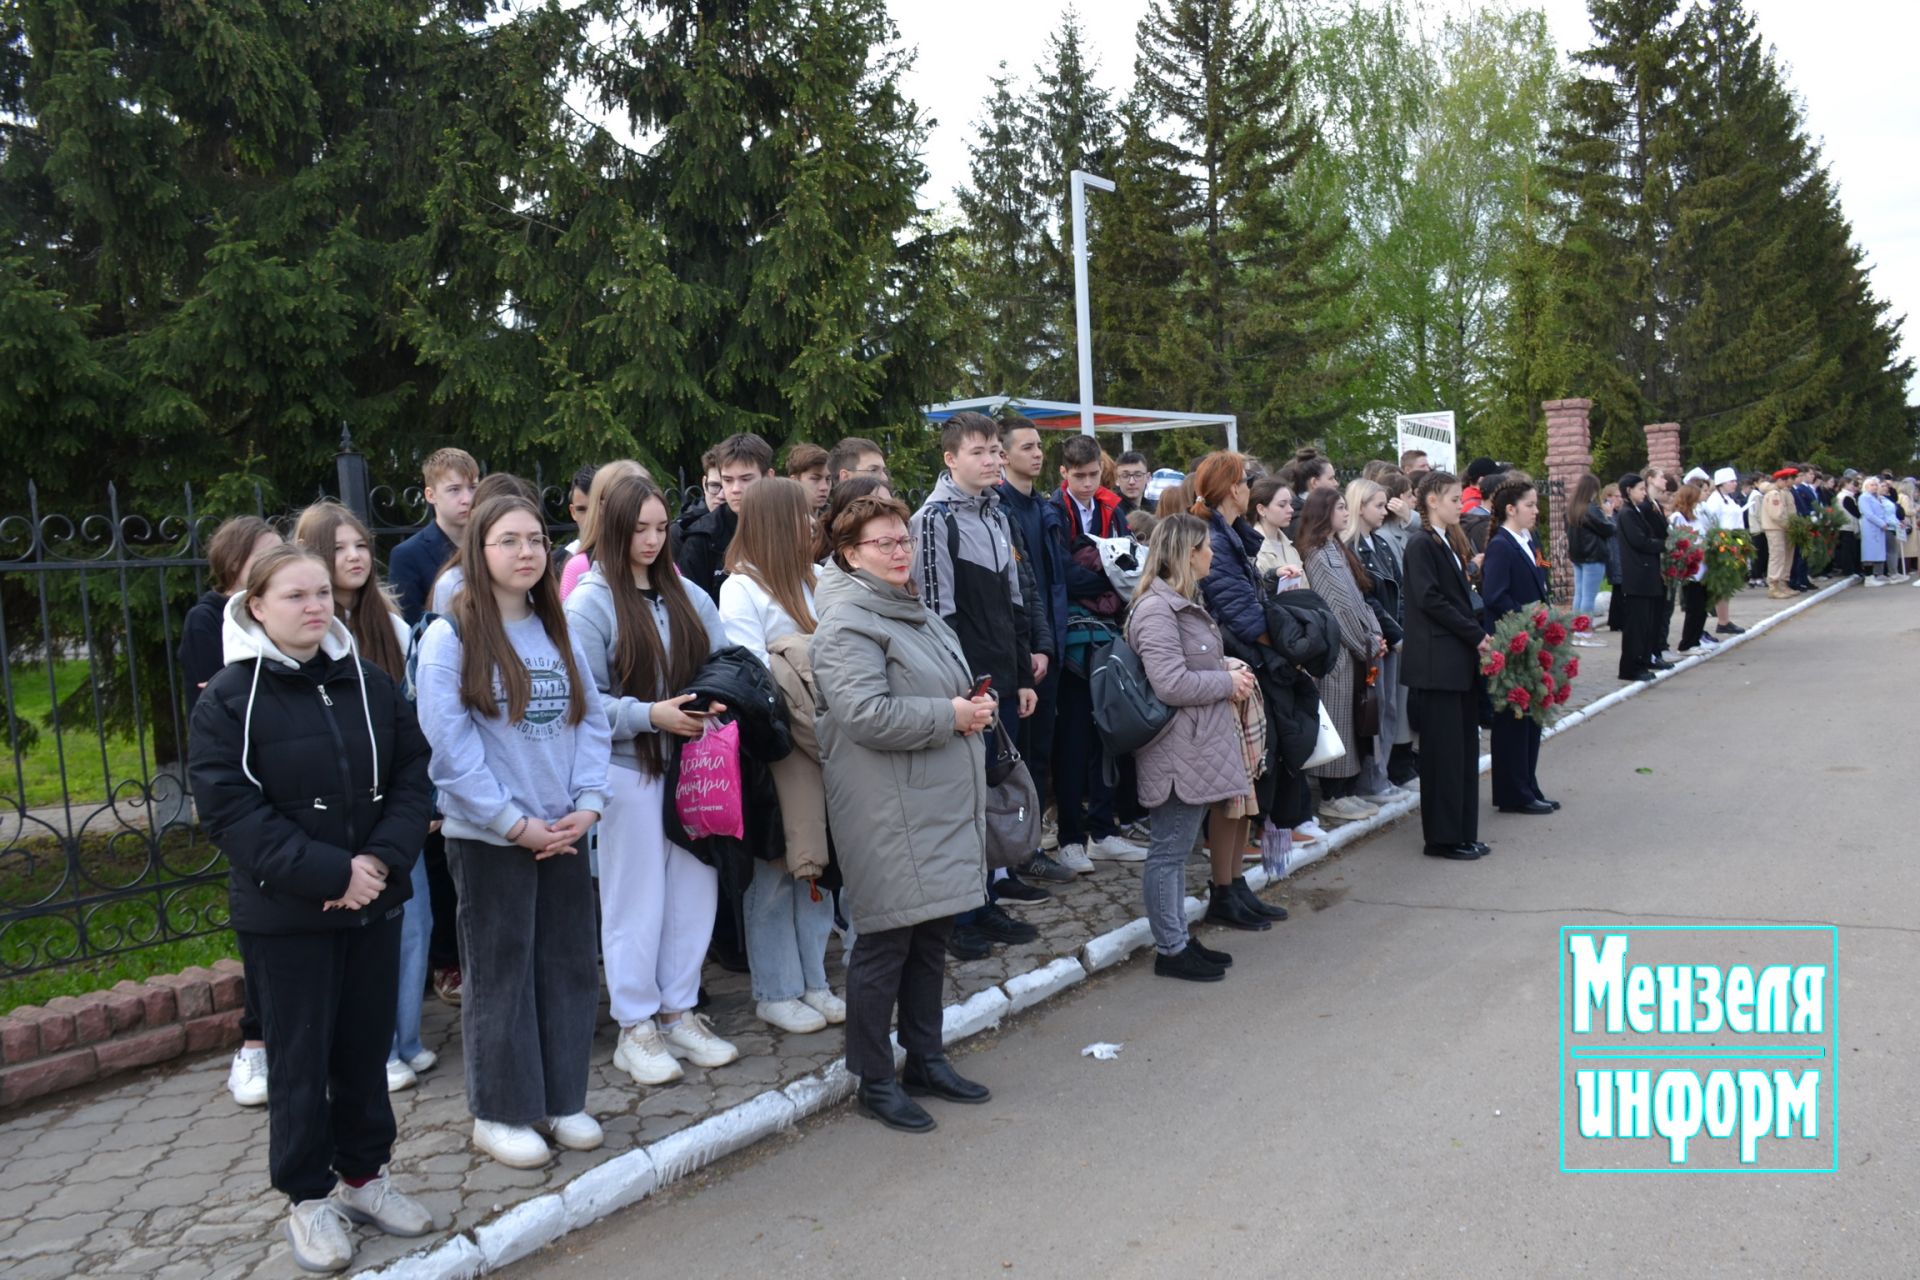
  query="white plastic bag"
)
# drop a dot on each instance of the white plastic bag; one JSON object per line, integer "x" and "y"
{"x": 1329, "y": 748}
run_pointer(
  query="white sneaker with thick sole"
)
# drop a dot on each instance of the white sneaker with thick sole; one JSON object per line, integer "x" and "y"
{"x": 791, "y": 1015}
{"x": 400, "y": 1076}
{"x": 318, "y": 1233}
{"x": 643, "y": 1055}
{"x": 1876, "y": 582}
{"x": 380, "y": 1204}
{"x": 515, "y": 1145}
{"x": 247, "y": 1078}
{"x": 1311, "y": 830}
{"x": 827, "y": 1005}
{"x": 1116, "y": 849}
{"x": 1392, "y": 795}
{"x": 1074, "y": 858}
{"x": 577, "y": 1132}
{"x": 1358, "y": 807}
{"x": 423, "y": 1061}
{"x": 692, "y": 1038}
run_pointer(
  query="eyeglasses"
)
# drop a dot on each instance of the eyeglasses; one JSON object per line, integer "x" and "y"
{"x": 888, "y": 546}
{"x": 513, "y": 544}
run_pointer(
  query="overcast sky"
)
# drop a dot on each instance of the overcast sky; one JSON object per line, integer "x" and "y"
{"x": 1851, "y": 62}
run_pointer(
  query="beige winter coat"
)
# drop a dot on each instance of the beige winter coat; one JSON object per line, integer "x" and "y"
{"x": 796, "y": 778}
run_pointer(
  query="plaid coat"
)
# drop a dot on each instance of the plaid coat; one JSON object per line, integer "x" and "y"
{"x": 1328, "y": 574}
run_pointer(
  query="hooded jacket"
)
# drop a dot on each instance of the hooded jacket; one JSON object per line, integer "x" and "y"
{"x": 702, "y": 557}
{"x": 296, "y": 768}
{"x": 969, "y": 577}
{"x": 906, "y": 795}
{"x": 201, "y": 654}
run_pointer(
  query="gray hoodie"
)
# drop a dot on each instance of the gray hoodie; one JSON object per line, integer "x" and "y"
{"x": 985, "y": 539}
{"x": 590, "y": 615}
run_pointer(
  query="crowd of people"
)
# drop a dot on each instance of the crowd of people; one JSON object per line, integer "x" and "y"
{"x": 466, "y": 778}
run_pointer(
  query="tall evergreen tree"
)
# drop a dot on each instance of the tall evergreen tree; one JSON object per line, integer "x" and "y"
{"x": 1263, "y": 275}
{"x": 1013, "y": 333}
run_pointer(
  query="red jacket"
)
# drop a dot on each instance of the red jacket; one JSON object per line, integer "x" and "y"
{"x": 1106, "y": 505}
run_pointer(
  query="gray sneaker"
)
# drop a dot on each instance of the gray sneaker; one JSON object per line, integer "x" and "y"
{"x": 318, "y": 1233}
{"x": 380, "y": 1204}
{"x": 1041, "y": 867}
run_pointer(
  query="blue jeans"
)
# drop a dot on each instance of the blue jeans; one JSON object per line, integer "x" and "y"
{"x": 1163, "y": 880}
{"x": 786, "y": 934}
{"x": 1586, "y": 585}
{"x": 416, "y": 930}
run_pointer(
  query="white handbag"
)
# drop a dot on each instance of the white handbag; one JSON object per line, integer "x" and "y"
{"x": 1329, "y": 747}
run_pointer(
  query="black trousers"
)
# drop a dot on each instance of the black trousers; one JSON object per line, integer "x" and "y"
{"x": 443, "y": 947}
{"x": 250, "y": 1028}
{"x": 327, "y": 1002}
{"x": 1516, "y": 761}
{"x": 1449, "y": 764}
{"x": 1798, "y": 578}
{"x": 1639, "y": 632}
{"x": 901, "y": 968}
{"x": 1693, "y": 614}
{"x": 1034, "y": 736}
{"x": 1081, "y": 794}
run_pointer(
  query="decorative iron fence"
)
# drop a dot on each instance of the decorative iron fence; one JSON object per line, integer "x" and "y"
{"x": 99, "y": 850}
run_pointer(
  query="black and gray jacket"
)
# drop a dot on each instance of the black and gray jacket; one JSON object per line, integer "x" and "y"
{"x": 969, "y": 577}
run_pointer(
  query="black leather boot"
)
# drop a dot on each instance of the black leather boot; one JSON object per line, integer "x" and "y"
{"x": 888, "y": 1103}
{"x": 1224, "y": 907}
{"x": 934, "y": 1076}
{"x": 1244, "y": 891}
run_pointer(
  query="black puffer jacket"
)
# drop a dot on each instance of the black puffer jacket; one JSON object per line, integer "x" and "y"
{"x": 295, "y": 769}
{"x": 1588, "y": 536}
{"x": 736, "y": 678}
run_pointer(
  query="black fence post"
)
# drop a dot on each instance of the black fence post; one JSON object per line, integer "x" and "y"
{"x": 354, "y": 486}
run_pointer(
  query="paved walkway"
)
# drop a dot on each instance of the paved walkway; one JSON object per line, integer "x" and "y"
{"x": 162, "y": 1175}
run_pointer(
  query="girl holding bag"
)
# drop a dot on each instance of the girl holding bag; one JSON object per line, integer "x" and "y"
{"x": 646, "y": 635}
{"x": 1338, "y": 576}
{"x": 520, "y": 757}
{"x": 768, "y": 595}
{"x": 1195, "y": 763}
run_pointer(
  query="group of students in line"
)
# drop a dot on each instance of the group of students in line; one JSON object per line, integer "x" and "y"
{"x": 463, "y": 780}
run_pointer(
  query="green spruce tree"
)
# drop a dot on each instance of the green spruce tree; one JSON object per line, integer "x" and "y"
{"x": 1012, "y": 332}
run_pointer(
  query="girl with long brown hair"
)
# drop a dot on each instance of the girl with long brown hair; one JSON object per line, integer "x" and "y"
{"x": 1439, "y": 667}
{"x": 1337, "y": 575}
{"x": 646, "y": 635}
{"x": 453, "y": 574}
{"x": 603, "y": 480}
{"x": 520, "y": 750}
{"x": 372, "y": 618}
{"x": 768, "y": 596}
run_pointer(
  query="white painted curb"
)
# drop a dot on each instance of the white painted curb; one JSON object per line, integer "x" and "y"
{"x": 633, "y": 1176}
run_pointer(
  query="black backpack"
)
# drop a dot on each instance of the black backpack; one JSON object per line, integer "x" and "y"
{"x": 1125, "y": 708}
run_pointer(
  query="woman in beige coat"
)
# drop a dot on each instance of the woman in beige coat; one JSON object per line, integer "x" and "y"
{"x": 1196, "y": 762}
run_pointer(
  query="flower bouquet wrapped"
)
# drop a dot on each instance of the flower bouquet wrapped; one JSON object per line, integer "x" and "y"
{"x": 1685, "y": 553}
{"x": 1816, "y": 536}
{"x": 1529, "y": 662}
{"x": 1729, "y": 551}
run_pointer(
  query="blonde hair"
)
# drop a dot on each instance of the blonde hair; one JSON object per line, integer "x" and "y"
{"x": 1359, "y": 493}
{"x": 618, "y": 469}
{"x": 1170, "y": 555}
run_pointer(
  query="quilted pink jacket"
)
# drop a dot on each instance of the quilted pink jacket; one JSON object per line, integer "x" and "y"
{"x": 1198, "y": 756}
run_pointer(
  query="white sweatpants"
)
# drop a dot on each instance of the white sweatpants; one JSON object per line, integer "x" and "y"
{"x": 656, "y": 904}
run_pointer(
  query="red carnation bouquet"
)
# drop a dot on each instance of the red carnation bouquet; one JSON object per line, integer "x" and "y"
{"x": 1529, "y": 662}
{"x": 1686, "y": 552}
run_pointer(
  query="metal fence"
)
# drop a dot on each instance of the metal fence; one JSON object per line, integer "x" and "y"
{"x": 99, "y": 851}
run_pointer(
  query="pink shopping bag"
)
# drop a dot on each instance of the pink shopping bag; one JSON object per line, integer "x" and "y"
{"x": 708, "y": 795}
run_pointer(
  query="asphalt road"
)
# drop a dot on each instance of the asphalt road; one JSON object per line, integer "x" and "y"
{"x": 1373, "y": 1089}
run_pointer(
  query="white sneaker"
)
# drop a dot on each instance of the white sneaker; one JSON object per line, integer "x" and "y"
{"x": 1311, "y": 830}
{"x": 380, "y": 1204}
{"x": 827, "y": 1005}
{"x": 791, "y": 1015}
{"x": 400, "y": 1076}
{"x": 1049, "y": 835}
{"x": 1876, "y": 582}
{"x": 1360, "y": 808}
{"x": 1331, "y": 809}
{"x": 247, "y": 1081}
{"x": 577, "y": 1132}
{"x": 318, "y": 1233}
{"x": 1074, "y": 858}
{"x": 423, "y": 1061}
{"x": 643, "y": 1055}
{"x": 1391, "y": 795}
{"x": 1116, "y": 849}
{"x": 515, "y": 1145}
{"x": 692, "y": 1038}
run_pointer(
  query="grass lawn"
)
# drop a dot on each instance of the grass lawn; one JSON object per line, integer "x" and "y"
{"x": 39, "y": 764}
{"x": 34, "y": 871}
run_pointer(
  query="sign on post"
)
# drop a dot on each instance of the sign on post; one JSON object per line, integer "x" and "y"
{"x": 1432, "y": 432}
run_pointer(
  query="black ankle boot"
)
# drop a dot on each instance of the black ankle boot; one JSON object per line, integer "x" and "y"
{"x": 888, "y": 1103}
{"x": 1244, "y": 891}
{"x": 1224, "y": 907}
{"x": 1207, "y": 953}
{"x": 934, "y": 1076}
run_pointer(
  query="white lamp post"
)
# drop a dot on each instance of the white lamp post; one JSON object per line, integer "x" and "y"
{"x": 1080, "y": 180}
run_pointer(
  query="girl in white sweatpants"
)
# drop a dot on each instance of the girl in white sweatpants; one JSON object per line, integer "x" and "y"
{"x": 646, "y": 634}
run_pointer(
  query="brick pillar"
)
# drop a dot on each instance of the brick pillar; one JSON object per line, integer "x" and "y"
{"x": 1569, "y": 456}
{"x": 1663, "y": 447}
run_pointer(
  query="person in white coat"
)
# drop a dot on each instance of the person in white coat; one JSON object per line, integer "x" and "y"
{"x": 768, "y": 594}
{"x": 1723, "y": 509}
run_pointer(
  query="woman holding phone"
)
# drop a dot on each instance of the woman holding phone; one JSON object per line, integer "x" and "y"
{"x": 646, "y": 635}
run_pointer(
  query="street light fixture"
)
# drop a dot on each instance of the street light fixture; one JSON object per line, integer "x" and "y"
{"x": 1080, "y": 180}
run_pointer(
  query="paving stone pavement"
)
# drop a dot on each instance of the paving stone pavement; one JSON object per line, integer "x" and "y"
{"x": 160, "y": 1174}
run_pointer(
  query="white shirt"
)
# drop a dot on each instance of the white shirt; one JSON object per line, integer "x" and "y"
{"x": 1087, "y": 514}
{"x": 752, "y": 618}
